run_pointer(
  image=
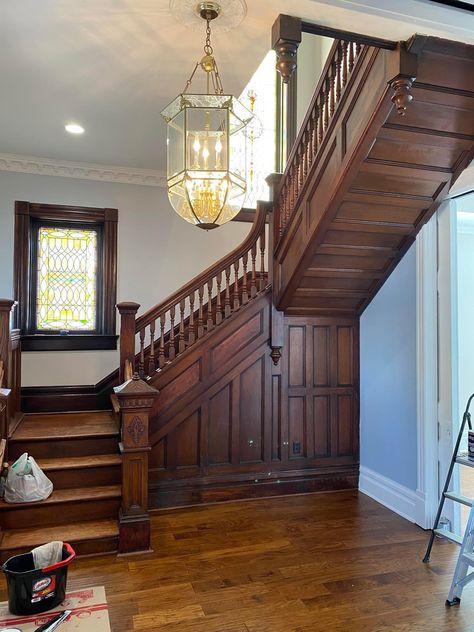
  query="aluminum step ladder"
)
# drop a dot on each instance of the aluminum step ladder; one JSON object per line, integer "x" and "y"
{"x": 466, "y": 555}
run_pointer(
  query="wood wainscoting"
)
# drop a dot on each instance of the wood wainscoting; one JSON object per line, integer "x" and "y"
{"x": 230, "y": 424}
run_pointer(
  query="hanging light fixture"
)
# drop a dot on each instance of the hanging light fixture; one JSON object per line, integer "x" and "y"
{"x": 206, "y": 144}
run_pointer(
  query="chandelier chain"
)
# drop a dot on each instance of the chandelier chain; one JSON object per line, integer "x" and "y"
{"x": 207, "y": 46}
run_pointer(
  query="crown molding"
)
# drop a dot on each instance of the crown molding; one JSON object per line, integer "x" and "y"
{"x": 81, "y": 170}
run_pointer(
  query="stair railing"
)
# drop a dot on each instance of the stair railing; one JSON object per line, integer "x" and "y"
{"x": 329, "y": 93}
{"x": 10, "y": 370}
{"x": 168, "y": 329}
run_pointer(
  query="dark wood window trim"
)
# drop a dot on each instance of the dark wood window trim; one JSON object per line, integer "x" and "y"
{"x": 27, "y": 215}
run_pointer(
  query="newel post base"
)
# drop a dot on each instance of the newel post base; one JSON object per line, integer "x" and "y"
{"x": 136, "y": 399}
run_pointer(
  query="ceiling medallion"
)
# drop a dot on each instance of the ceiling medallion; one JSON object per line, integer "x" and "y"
{"x": 230, "y": 13}
{"x": 206, "y": 166}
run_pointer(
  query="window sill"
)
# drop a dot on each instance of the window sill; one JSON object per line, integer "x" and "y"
{"x": 71, "y": 342}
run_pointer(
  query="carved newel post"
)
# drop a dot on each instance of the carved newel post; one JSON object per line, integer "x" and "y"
{"x": 128, "y": 312}
{"x": 136, "y": 399}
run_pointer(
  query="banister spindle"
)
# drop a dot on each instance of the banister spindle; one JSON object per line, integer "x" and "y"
{"x": 218, "y": 298}
{"x": 321, "y": 114}
{"x": 141, "y": 361}
{"x": 351, "y": 56}
{"x": 358, "y": 49}
{"x": 326, "y": 103}
{"x": 338, "y": 71}
{"x": 172, "y": 348}
{"x": 344, "y": 63}
{"x": 210, "y": 322}
{"x": 161, "y": 348}
{"x": 332, "y": 88}
{"x": 227, "y": 306}
{"x": 200, "y": 312}
{"x": 191, "y": 330}
{"x": 181, "y": 340}
{"x": 253, "y": 278}
{"x": 245, "y": 296}
{"x": 236, "y": 285}
{"x": 262, "y": 259}
{"x": 151, "y": 359}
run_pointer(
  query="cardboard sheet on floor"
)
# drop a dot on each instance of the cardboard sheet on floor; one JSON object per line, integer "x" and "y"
{"x": 89, "y": 612}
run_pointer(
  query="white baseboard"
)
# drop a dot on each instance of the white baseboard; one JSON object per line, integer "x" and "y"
{"x": 403, "y": 501}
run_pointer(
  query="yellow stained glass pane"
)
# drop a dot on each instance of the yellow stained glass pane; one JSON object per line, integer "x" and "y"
{"x": 67, "y": 279}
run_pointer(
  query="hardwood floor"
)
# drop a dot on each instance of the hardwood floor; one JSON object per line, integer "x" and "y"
{"x": 318, "y": 562}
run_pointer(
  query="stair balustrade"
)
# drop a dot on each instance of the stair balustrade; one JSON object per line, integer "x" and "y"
{"x": 164, "y": 332}
{"x": 10, "y": 370}
{"x": 329, "y": 94}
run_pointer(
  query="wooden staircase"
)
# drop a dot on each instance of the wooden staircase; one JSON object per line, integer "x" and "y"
{"x": 79, "y": 453}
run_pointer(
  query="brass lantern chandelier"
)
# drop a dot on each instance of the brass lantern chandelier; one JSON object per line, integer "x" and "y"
{"x": 206, "y": 169}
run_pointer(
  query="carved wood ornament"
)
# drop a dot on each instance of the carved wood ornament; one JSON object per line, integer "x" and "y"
{"x": 401, "y": 96}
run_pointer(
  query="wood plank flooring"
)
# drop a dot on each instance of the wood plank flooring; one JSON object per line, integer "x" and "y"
{"x": 319, "y": 562}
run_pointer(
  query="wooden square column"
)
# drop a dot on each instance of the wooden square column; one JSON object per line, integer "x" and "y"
{"x": 136, "y": 399}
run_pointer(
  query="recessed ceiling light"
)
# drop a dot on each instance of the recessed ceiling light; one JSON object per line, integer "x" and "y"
{"x": 74, "y": 128}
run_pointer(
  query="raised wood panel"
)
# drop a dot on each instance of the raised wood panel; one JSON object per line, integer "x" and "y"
{"x": 219, "y": 434}
{"x": 323, "y": 185}
{"x": 252, "y": 410}
{"x": 322, "y": 425}
{"x": 240, "y": 338}
{"x": 345, "y": 356}
{"x": 321, "y": 355}
{"x": 183, "y": 442}
{"x": 297, "y": 427}
{"x": 297, "y": 356}
{"x": 344, "y": 405}
{"x": 276, "y": 418}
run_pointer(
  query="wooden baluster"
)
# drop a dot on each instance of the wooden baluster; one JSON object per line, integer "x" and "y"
{"x": 151, "y": 360}
{"x": 227, "y": 306}
{"x": 245, "y": 296}
{"x": 141, "y": 361}
{"x": 172, "y": 348}
{"x": 161, "y": 348}
{"x": 338, "y": 72}
{"x": 326, "y": 103}
{"x": 253, "y": 279}
{"x": 181, "y": 340}
{"x": 321, "y": 121}
{"x": 358, "y": 49}
{"x": 344, "y": 63}
{"x": 307, "y": 149}
{"x": 236, "y": 286}
{"x": 200, "y": 312}
{"x": 210, "y": 321}
{"x": 218, "y": 299}
{"x": 351, "y": 56}
{"x": 312, "y": 147}
{"x": 191, "y": 331}
{"x": 262, "y": 259}
{"x": 332, "y": 88}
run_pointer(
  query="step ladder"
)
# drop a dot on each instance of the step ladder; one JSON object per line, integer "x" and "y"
{"x": 466, "y": 555}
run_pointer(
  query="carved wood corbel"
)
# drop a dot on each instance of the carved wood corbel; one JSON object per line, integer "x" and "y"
{"x": 401, "y": 97}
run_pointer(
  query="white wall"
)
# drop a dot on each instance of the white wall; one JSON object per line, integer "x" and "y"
{"x": 465, "y": 292}
{"x": 312, "y": 54}
{"x": 157, "y": 253}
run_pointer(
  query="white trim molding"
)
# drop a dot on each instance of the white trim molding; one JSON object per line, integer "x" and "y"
{"x": 427, "y": 372}
{"x": 398, "y": 498}
{"x": 81, "y": 170}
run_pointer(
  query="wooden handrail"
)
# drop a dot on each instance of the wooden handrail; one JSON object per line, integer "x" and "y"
{"x": 328, "y": 96}
{"x": 202, "y": 278}
{"x": 168, "y": 329}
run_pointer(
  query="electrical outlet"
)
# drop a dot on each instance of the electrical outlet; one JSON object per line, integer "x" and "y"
{"x": 296, "y": 447}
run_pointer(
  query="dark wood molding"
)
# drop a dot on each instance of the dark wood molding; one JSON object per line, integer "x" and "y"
{"x": 26, "y": 213}
{"x": 71, "y": 342}
{"x": 349, "y": 36}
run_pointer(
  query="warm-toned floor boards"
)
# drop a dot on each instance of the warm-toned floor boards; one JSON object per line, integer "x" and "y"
{"x": 319, "y": 562}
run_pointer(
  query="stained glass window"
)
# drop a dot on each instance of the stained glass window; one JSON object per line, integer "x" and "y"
{"x": 66, "y": 279}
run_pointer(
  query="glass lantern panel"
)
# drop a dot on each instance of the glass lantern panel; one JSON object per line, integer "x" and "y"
{"x": 206, "y": 139}
{"x": 241, "y": 115}
{"x": 238, "y": 150}
{"x": 176, "y": 145}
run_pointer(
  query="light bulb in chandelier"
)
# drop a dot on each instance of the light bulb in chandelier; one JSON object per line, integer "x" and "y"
{"x": 206, "y": 144}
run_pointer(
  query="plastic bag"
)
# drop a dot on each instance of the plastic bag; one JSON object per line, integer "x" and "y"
{"x": 26, "y": 482}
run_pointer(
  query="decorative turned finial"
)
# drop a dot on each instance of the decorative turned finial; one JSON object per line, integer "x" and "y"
{"x": 401, "y": 96}
{"x": 286, "y": 59}
{"x": 275, "y": 355}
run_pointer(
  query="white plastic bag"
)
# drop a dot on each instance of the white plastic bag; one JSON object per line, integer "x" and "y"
{"x": 26, "y": 482}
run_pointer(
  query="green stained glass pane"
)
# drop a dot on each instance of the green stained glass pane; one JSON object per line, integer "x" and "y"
{"x": 67, "y": 279}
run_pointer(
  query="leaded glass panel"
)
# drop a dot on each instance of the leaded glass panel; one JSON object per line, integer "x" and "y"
{"x": 66, "y": 279}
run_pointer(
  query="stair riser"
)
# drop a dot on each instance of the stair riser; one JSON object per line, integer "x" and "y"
{"x": 100, "y": 546}
{"x": 62, "y": 513}
{"x": 51, "y": 448}
{"x": 85, "y": 477}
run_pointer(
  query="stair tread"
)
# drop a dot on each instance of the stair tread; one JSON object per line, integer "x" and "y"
{"x": 35, "y": 536}
{"x": 75, "y": 462}
{"x": 45, "y": 426}
{"x": 60, "y": 496}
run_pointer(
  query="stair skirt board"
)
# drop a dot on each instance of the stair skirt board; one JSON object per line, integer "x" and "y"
{"x": 398, "y": 498}
{"x": 168, "y": 494}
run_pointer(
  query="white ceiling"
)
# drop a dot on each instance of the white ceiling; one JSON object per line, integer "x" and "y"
{"x": 112, "y": 65}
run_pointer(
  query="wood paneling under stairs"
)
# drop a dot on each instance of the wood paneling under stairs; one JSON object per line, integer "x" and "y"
{"x": 336, "y": 562}
{"x": 379, "y": 177}
{"x": 79, "y": 453}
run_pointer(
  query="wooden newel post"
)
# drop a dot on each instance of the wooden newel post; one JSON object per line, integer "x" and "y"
{"x": 136, "y": 399}
{"x": 128, "y": 312}
{"x": 6, "y": 306}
